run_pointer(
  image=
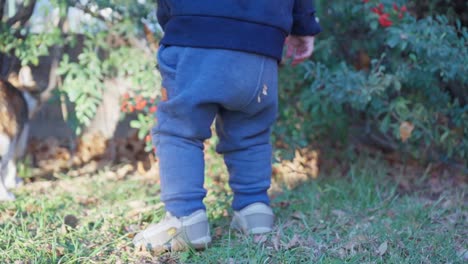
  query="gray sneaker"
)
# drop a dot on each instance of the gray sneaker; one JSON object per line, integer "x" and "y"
{"x": 176, "y": 234}
{"x": 256, "y": 218}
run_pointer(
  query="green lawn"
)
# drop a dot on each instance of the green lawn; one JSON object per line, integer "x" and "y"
{"x": 352, "y": 215}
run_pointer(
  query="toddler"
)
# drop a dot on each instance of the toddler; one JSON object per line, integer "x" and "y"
{"x": 218, "y": 61}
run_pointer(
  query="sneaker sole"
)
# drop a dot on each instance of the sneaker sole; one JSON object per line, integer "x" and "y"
{"x": 201, "y": 243}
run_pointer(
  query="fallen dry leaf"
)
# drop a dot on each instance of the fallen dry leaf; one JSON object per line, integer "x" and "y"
{"x": 137, "y": 204}
{"x": 406, "y": 128}
{"x": 383, "y": 248}
{"x": 259, "y": 239}
{"x": 298, "y": 215}
{"x": 294, "y": 242}
{"x": 142, "y": 251}
{"x": 86, "y": 200}
{"x": 338, "y": 213}
{"x": 124, "y": 171}
{"x": 276, "y": 241}
{"x": 463, "y": 253}
{"x": 60, "y": 251}
{"x": 218, "y": 231}
{"x": 341, "y": 253}
{"x": 303, "y": 167}
{"x": 131, "y": 230}
{"x": 355, "y": 242}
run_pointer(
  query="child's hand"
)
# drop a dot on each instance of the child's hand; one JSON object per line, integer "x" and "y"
{"x": 299, "y": 48}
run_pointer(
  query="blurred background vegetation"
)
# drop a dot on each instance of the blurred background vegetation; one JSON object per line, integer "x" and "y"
{"x": 399, "y": 85}
{"x": 381, "y": 108}
{"x": 390, "y": 75}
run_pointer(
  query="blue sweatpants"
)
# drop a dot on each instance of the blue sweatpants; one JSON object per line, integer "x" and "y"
{"x": 239, "y": 91}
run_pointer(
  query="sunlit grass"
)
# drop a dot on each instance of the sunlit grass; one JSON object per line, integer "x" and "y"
{"x": 358, "y": 217}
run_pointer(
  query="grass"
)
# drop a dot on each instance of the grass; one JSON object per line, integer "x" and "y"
{"x": 357, "y": 215}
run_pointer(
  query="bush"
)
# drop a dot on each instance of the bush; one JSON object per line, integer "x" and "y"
{"x": 391, "y": 72}
{"x": 112, "y": 46}
{"x": 399, "y": 81}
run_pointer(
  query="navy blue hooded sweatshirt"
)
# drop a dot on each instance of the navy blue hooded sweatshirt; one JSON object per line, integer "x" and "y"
{"x": 258, "y": 26}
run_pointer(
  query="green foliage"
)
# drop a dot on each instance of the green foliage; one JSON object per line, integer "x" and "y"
{"x": 367, "y": 75}
{"x": 123, "y": 58}
{"x": 144, "y": 122}
{"x": 113, "y": 49}
{"x": 83, "y": 84}
{"x": 27, "y": 48}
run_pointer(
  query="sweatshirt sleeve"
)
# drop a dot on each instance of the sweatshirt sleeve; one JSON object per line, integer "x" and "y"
{"x": 304, "y": 21}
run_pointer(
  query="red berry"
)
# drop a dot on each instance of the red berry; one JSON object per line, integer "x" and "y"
{"x": 385, "y": 21}
{"x": 138, "y": 98}
{"x": 140, "y": 105}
